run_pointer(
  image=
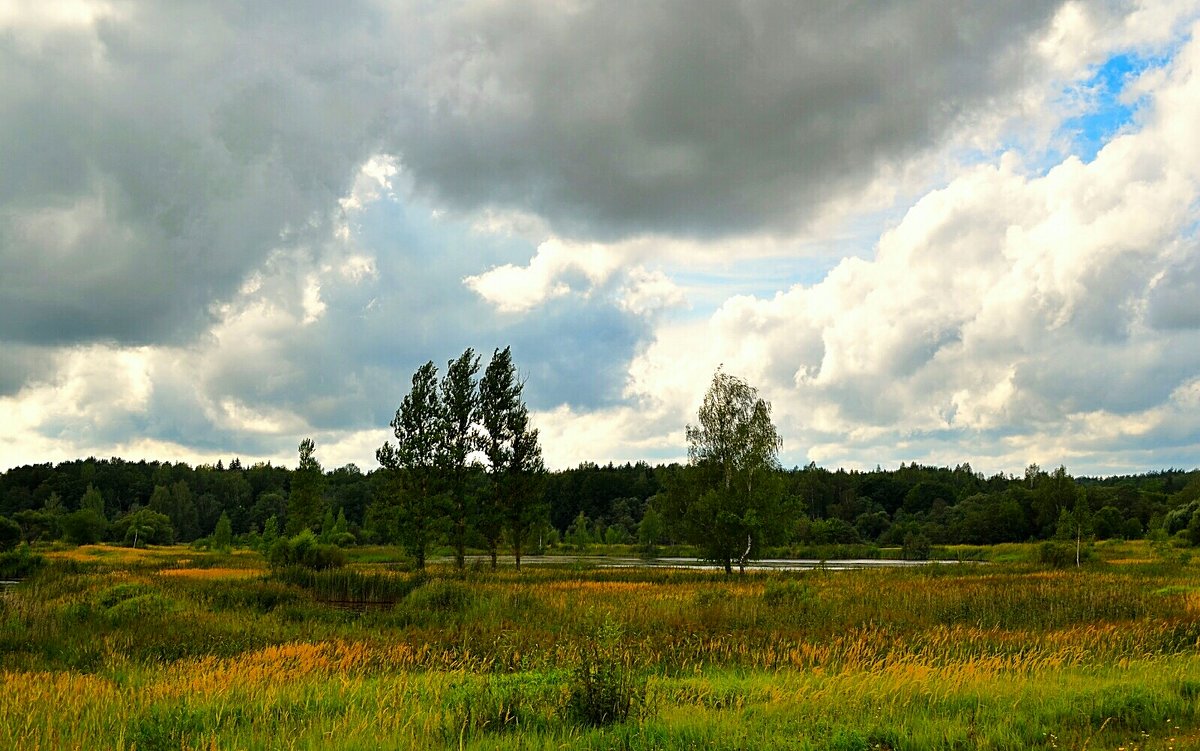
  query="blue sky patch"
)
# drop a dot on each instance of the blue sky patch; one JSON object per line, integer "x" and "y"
{"x": 1105, "y": 112}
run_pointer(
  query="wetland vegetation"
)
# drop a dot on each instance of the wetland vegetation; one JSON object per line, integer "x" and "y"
{"x": 171, "y": 647}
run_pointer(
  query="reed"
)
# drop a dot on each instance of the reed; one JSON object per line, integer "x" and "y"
{"x": 147, "y": 650}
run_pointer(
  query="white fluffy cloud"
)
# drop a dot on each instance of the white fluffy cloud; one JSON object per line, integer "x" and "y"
{"x": 1019, "y": 315}
{"x": 561, "y": 268}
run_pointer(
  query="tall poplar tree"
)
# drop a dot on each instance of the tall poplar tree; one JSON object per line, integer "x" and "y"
{"x": 460, "y": 404}
{"x": 514, "y": 457}
{"x": 412, "y": 463}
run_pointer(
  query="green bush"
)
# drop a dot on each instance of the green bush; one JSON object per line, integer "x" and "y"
{"x": 19, "y": 563}
{"x": 1055, "y": 554}
{"x": 603, "y": 689}
{"x": 144, "y": 527}
{"x": 84, "y": 527}
{"x": 137, "y": 609}
{"x": 119, "y": 593}
{"x": 832, "y": 552}
{"x": 444, "y": 596}
{"x": 304, "y": 550}
{"x": 10, "y": 534}
{"x": 916, "y": 547}
{"x": 222, "y": 536}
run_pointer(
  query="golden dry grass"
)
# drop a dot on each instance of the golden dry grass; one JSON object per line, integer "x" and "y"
{"x": 162, "y": 653}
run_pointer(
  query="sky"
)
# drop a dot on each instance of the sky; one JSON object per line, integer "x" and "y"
{"x": 934, "y": 230}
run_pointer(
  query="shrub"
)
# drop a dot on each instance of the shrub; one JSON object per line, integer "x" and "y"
{"x": 138, "y": 609}
{"x": 603, "y": 689}
{"x": 1131, "y": 529}
{"x": 144, "y": 527}
{"x": 445, "y": 596}
{"x": 84, "y": 527}
{"x": 10, "y": 534}
{"x": 38, "y": 524}
{"x": 1055, "y": 554}
{"x": 222, "y": 536}
{"x": 270, "y": 535}
{"x": 304, "y": 550}
{"x": 119, "y": 593}
{"x": 833, "y": 532}
{"x": 916, "y": 547}
{"x": 19, "y": 563}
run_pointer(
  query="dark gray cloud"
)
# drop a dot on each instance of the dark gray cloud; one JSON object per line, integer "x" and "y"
{"x": 20, "y": 365}
{"x": 703, "y": 118}
{"x": 152, "y": 159}
{"x": 1173, "y": 299}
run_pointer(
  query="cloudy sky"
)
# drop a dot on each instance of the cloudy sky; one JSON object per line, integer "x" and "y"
{"x": 926, "y": 230}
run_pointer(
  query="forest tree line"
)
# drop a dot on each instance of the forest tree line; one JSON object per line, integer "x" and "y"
{"x": 465, "y": 472}
{"x": 607, "y": 503}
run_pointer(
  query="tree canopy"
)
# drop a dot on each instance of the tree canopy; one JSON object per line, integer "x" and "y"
{"x": 733, "y": 495}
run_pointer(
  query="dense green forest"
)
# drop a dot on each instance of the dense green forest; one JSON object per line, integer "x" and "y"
{"x": 466, "y": 472}
{"x": 593, "y": 503}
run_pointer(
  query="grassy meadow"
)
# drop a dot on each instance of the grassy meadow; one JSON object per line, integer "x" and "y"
{"x": 171, "y": 648}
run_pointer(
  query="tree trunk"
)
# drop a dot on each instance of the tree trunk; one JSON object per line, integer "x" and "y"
{"x": 460, "y": 543}
{"x": 492, "y": 550}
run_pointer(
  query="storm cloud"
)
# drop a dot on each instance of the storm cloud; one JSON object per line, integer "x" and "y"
{"x": 224, "y": 226}
{"x": 698, "y": 118}
{"x": 156, "y": 153}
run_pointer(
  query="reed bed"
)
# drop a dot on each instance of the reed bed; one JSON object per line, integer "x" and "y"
{"x": 154, "y": 652}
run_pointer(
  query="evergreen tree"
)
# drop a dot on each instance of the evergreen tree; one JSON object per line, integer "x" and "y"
{"x": 327, "y": 525}
{"x": 222, "y": 536}
{"x": 270, "y": 533}
{"x": 306, "y": 502}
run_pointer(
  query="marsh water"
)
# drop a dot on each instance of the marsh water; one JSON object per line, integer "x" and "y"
{"x": 765, "y": 564}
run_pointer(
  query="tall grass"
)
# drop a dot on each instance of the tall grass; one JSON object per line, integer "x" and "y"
{"x": 149, "y": 650}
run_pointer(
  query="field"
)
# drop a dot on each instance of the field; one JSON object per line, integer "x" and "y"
{"x": 172, "y": 648}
